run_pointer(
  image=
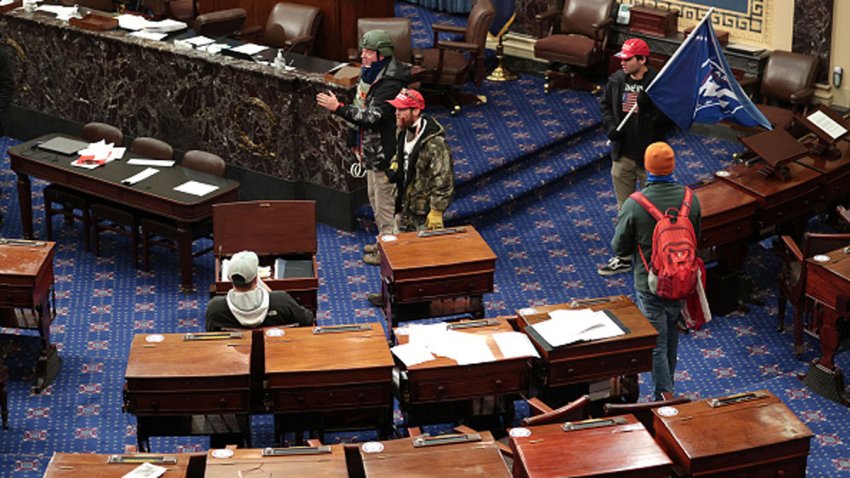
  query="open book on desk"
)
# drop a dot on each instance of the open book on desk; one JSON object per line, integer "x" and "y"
{"x": 567, "y": 326}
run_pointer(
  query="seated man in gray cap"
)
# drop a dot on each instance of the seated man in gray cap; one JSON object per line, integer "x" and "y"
{"x": 250, "y": 303}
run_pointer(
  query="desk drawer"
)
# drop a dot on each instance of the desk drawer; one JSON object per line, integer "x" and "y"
{"x": 426, "y": 289}
{"x": 196, "y": 403}
{"x": 787, "y": 211}
{"x": 726, "y": 233}
{"x": 16, "y": 297}
{"x": 330, "y": 398}
{"x": 474, "y": 386}
{"x": 599, "y": 367}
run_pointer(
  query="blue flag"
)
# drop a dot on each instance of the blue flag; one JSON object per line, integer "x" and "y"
{"x": 504, "y": 14}
{"x": 697, "y": 85}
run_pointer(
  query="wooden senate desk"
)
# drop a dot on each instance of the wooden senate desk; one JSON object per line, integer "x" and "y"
{"x": 615, "y": 447}
{"x": 835, "y": 179}
{"x": 329, "y": 377}
{"x": 727, "y": 214}
{"x": 440, "y": 390}
{"x": 440, "y": 273}
{"x": 418, "y": 457}
{"x": 327, "y": 461}
{"x": 155, "y": 195}
{"x": 584, "y": 362}
{"x": 88, "y": 465}
{"x": 26, "y": 287}
{"x": 749, "y": 435}
{"x": 189, "y": 384}
{"x": 828, "y": 284}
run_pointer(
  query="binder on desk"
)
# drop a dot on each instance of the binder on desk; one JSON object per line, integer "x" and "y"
{"x": 532, "y": 332}
{"x": 291, "y": 268}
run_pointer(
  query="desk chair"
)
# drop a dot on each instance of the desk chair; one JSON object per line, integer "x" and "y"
{"x": 70, "y": 199}
{"x": 290, "y": 26}
{"x": 159, "y": 231}
{"x": 221, "y": 23}
{"x": 123, "y": 219}
{"x": 579, "y": 41}
{"x": 787, "y": 87}
{"x": 792, "y": 279}
{"x": 398, "y": 28}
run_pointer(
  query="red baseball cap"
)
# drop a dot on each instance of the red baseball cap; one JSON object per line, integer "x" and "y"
{"x": 408, "y": 98}
{"x": 633, "y": 47}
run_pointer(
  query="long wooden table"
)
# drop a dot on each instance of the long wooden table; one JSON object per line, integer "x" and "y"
{"x": 322, "y": 377}
{"x": 88, "y": 465}
{"x": 26, "y": 287}
{"x": 828, "y": 284}
{"x": 751, "y": 435}
{"x": 155, "y": 195}
{"x": 621, "y": 448}
{"x": 177, "y": 386}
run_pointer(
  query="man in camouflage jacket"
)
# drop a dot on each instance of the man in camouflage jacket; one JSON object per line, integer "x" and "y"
{"x": 422, "y": 167}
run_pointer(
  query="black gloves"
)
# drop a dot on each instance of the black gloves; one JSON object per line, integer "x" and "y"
{"x": 644, "y": 101}
{"x": 615, "y": 135}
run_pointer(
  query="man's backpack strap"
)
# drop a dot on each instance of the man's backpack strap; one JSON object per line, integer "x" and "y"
{"x": 653, "y": 211}
{"x": 685, "y": 210}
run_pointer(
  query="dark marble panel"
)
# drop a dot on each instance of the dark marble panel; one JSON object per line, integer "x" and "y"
{"x": 813, "y": 32}
{"x": 254, "y": 116}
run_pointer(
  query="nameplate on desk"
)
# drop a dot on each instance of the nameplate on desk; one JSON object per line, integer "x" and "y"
{"x": 441, "y": 232}
{"x": 211, "y": 336}
{"x": 425, "y": 440}
{"x": 593, "y": 423}
{"x": 336, "y": 329}
{"x": 473, "y": 324}
{"x": 131, "y": 459}
{"x": 297, "y": 450}
{"x": 21, "y": 242}
{"x": 737, "y": 398}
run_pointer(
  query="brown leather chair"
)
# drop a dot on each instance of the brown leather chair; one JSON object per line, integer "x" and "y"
{"x": 70, "y": 199}
{"x": 290, "y": 26}
{"x": 450, "y": 63}
{"x": 221, "y": 23}
{"x": 157, "y": 231}
{"x": 180, "y": 10}
{"x": 578, "y": 41}
{"x": 792, "y": 278}
{"x": 123, "y": 219}
{"x": 787, "y": 87}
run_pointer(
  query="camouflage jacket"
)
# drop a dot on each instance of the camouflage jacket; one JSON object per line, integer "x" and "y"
{"x": 427, "y": 181}
{"x": 375, "y": 122}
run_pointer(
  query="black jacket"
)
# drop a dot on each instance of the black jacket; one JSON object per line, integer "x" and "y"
{"x": 282, "y": 310}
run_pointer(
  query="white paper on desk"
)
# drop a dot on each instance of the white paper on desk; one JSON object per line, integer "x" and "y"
{"x": 141, "y": 176}
{"x": 62, "y": 13}
{"x": 199, "y": 40}
{"x": 146, "y": 470}
{"x": 412, "y": 354}
{"x": 465, "y": 348}
{"x": 165, "y": 26}
{"x": 131, "y": 22}
{"x": 424, "y": 334}
{"x": 567, "y": 326}
{"x": 3, "y": 3}
{"x": 159, "y": 163}
{"x": 826, "y": 124}
{"x": 515, "y": 344}
{"x": 196, "y": 188}
{"x": 148, "y": 35}
{"x": 249, "y": 48}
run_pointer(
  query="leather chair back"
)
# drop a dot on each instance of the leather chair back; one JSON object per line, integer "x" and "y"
{"x": 220, "y": 23}
{"x": 480, "y": 18}
{"x": 579, "y": 16}
{"x": 183, "y": 10}
{"x": 787, "y": 73}
{"x": 398, "y": 29}
{"x": 288, "y": 21}
{"x": 152, "y": 148}
{"x": 203, "y": 161}
{"x": 94, "y": 132}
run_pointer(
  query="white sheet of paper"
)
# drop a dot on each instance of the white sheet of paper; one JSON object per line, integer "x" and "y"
{"x": 199, "y": 40}
{"x": 131, "y": 22}
{"x": 159, "y": 163}
{"x": 148, "y": 35}
{"x": 3, "y": 3}
{"x": 141, "y": 176}
{"x": 515, "y": 344}
{"x": 165, "y": 26}
{"x": 827, "y": 124}
{"x": 196, "y": 188}
{"x": 249, "y": 48}
{"x": 567, "y": 326}
{"x": 412, "y": 354}
{"x": 146, "y": 470}
{"x": 465, "y": 348}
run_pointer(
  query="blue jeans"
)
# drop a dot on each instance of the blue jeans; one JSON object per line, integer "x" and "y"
{"x": 662, "y": 314}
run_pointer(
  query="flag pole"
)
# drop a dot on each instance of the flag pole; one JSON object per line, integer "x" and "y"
{"x": 668, "y": 63}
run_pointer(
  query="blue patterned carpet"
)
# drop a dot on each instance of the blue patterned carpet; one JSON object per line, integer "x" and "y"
{"x": 549, "y": 238}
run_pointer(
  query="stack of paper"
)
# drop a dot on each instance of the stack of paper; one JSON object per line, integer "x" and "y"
{"x": 62, "y": 13}
{"x": 97, "y": 154}
{"x": 151, "y": 30}
{"x": 568, "y": 326}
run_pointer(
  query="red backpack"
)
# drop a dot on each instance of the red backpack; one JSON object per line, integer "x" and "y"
{"x": 675, "y": 262}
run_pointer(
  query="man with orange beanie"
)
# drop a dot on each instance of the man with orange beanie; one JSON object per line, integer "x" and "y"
{"x": 635, "y": 227}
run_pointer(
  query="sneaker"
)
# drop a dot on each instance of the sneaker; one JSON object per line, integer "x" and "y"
{"x": 616, "y": 265}
{"x": 372, "y": 259}
{"x": 370, "y": 248}
{"x": 376, "y": 299}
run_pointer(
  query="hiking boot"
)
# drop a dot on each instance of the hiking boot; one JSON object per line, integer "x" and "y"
{"x": 376, "y": 299}
{"x": 370, "y": 248}
{"x": 616, "y": 265}
{"x": 372, "y": 259}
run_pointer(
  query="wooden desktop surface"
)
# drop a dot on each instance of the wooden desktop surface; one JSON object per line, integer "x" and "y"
{"x": 599, "y": 359}
{"x": 623, "y": 450}
{"x": 87, "y": 465}
{"x": 829, "y": 284}
{"x": 727, "y": 213}
{"x": 410, "y": 256}
{"x": 247, "y": 460}
{"x": 400, "y": 458}
{"x": 755, "y": 438}
{"x": 26, "y": 272}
